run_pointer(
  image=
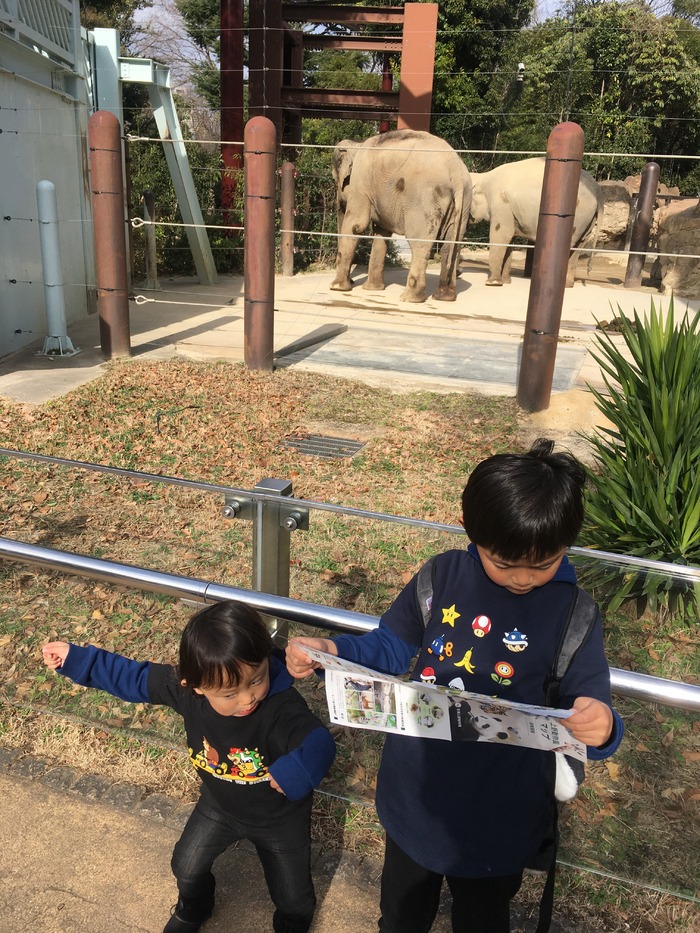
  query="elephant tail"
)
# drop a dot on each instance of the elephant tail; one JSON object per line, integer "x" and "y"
{"x": 455, "y": 221}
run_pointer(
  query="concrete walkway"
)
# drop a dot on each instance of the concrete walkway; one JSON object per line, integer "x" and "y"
{"x": 81, "y": 855}
{"x": 472, "y": 344}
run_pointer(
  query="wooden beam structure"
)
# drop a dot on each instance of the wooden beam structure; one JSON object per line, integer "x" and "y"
{"x": 277, "y": 49}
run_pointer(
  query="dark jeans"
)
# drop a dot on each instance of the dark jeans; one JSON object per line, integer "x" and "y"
{"x": 285, "y": 854}
{"x": 411, "y": 896}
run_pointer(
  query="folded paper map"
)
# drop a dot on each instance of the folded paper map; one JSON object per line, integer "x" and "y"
{"x": 358, "y": 696}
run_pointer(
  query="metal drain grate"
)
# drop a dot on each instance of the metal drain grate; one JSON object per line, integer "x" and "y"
{"x": 315, "y": 445}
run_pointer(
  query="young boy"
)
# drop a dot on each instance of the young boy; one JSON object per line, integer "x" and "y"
{"x": 256, "y": 746}
{"x": 476, "y": 813}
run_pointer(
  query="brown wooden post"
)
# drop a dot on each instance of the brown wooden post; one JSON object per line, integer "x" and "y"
{"x": 259, "y": 153}
{"x": 287, "y": 213}
{"x": 639, "y": 242}
{"x": 104, "y": 140}
{"x": 231, "y": 86}
{"x": 551, "y": 257}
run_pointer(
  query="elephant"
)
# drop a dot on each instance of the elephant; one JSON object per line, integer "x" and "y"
{"x": 407, "y": 182}
{"x": 509, "y": 197}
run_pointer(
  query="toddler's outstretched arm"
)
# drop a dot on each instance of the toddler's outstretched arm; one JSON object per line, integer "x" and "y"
{"x": 55, "y": 653}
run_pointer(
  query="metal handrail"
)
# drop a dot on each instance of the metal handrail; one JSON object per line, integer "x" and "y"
{"x": 641, "y": 563}
{"x": 624, "y": 683}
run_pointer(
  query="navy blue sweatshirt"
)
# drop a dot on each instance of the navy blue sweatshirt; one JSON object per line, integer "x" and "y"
{"x": 232, "y": 755}
{"x": 476, "y": 809}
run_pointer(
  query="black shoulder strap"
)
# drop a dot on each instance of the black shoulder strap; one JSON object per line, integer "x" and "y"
{"x": 424, "y": 590}
{"x": 575, "y": 633}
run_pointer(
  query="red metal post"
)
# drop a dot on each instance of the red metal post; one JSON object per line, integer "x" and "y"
{"x": 387, "y": 85}
{"x": 231, "y": 85}
{"x": 104, "y": 140}
{"x": 417, "y": 66}
{"x": 259, "y": 150}
{"x": 642, "y": 224}
{"x": 551, "y": 257}
{"x": 287, "y": 213}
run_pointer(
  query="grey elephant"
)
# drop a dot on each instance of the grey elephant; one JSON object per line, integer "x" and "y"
{"x": 407, "y": 182}
{"x": 509, "y": 197}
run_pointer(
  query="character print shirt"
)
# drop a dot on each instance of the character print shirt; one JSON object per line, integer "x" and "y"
{"x": 476, "y": 809}
{"x": 233, "y": 756}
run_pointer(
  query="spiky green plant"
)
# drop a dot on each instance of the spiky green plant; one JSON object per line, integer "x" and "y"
{"x": 644, "y": 489}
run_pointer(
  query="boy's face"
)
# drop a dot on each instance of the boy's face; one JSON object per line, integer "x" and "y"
{"x": 519, "y": 576}
{"x": 245, "y": 697}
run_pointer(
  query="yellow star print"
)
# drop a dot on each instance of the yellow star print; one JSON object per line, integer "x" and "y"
{"x": 449, "y": 616}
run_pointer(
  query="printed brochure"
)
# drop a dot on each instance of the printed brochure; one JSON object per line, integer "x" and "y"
{"x": 360, "y": 697}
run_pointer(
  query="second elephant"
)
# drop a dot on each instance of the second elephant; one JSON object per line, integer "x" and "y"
{"x": 509, "y": 197}
{"x": 407, "y": 182}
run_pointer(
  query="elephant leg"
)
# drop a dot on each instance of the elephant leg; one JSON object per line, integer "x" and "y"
{"x": 354, "y": 223}
{"x": 375, "y": 270}
{"x": 507, "y": 260}
{"x": 415, "y": 283}
{"x": 571, "y": 267}
{"x": 449, "y": 260}
{"x": 501, "y": 233}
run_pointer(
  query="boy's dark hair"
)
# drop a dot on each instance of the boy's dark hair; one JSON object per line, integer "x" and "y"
{"x": 219, "y": 641}
{"x": 525, "y": 505}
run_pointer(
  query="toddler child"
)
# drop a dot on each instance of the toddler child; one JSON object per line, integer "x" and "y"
{"x": 256, "y": 746}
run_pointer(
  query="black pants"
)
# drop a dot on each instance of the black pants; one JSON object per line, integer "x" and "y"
{"x": 411, "y": 896}
{"x": 285, "y": 854}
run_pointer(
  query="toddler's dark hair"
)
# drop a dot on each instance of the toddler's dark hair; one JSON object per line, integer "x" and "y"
{"x": 219, "y": 642}
{"x": 525, "y": 505}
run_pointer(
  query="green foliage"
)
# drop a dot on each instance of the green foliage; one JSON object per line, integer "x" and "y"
{"x": 148, "y": 170}
{"x": 644, "y": 493}
{"x": 630, "y": 79}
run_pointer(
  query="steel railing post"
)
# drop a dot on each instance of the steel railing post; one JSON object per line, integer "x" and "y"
{"x": 273, "y": 522}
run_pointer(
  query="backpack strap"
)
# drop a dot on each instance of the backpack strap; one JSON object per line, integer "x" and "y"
{"x": 575, "y": 633}
{"x": 583, "y": 612}
{"x": 424, "y": 590}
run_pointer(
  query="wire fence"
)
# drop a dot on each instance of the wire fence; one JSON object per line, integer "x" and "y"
{"x": 316, "y": 226}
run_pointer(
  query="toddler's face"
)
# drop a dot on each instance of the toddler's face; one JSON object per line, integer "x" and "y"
{"x": 245, "y": 697}
{"x": 519, "y": 576}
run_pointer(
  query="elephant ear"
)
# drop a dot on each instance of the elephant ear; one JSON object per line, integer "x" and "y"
{"x": 343, "y": 157}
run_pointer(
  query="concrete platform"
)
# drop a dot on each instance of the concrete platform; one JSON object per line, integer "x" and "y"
{"x": 472, "y": 344}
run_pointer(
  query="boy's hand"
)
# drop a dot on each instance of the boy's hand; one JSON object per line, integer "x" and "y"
{"x": 591, "y": 723}
{"x": 275, "y": 785}
{"x": 55, "y": 653}
{"x": 299, "y": 664}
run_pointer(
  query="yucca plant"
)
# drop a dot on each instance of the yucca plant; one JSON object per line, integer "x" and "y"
{"x": 644, "y": 488}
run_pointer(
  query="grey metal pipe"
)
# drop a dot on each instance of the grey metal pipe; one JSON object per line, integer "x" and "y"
{"x": 57, "y": 341}
{"x": 677, "y": 571}
{"x": 624, "y": 683}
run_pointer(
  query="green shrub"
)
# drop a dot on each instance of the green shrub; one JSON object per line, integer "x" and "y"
{"x": 644, "y": 489}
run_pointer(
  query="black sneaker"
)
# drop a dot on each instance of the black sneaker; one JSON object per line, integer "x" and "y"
{"x": 187, "y": 919}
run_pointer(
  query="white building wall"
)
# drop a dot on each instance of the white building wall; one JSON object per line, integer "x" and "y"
{"x": 43, "y": 118}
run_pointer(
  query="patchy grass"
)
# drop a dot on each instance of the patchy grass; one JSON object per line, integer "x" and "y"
{"x": 220, "y": 424}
